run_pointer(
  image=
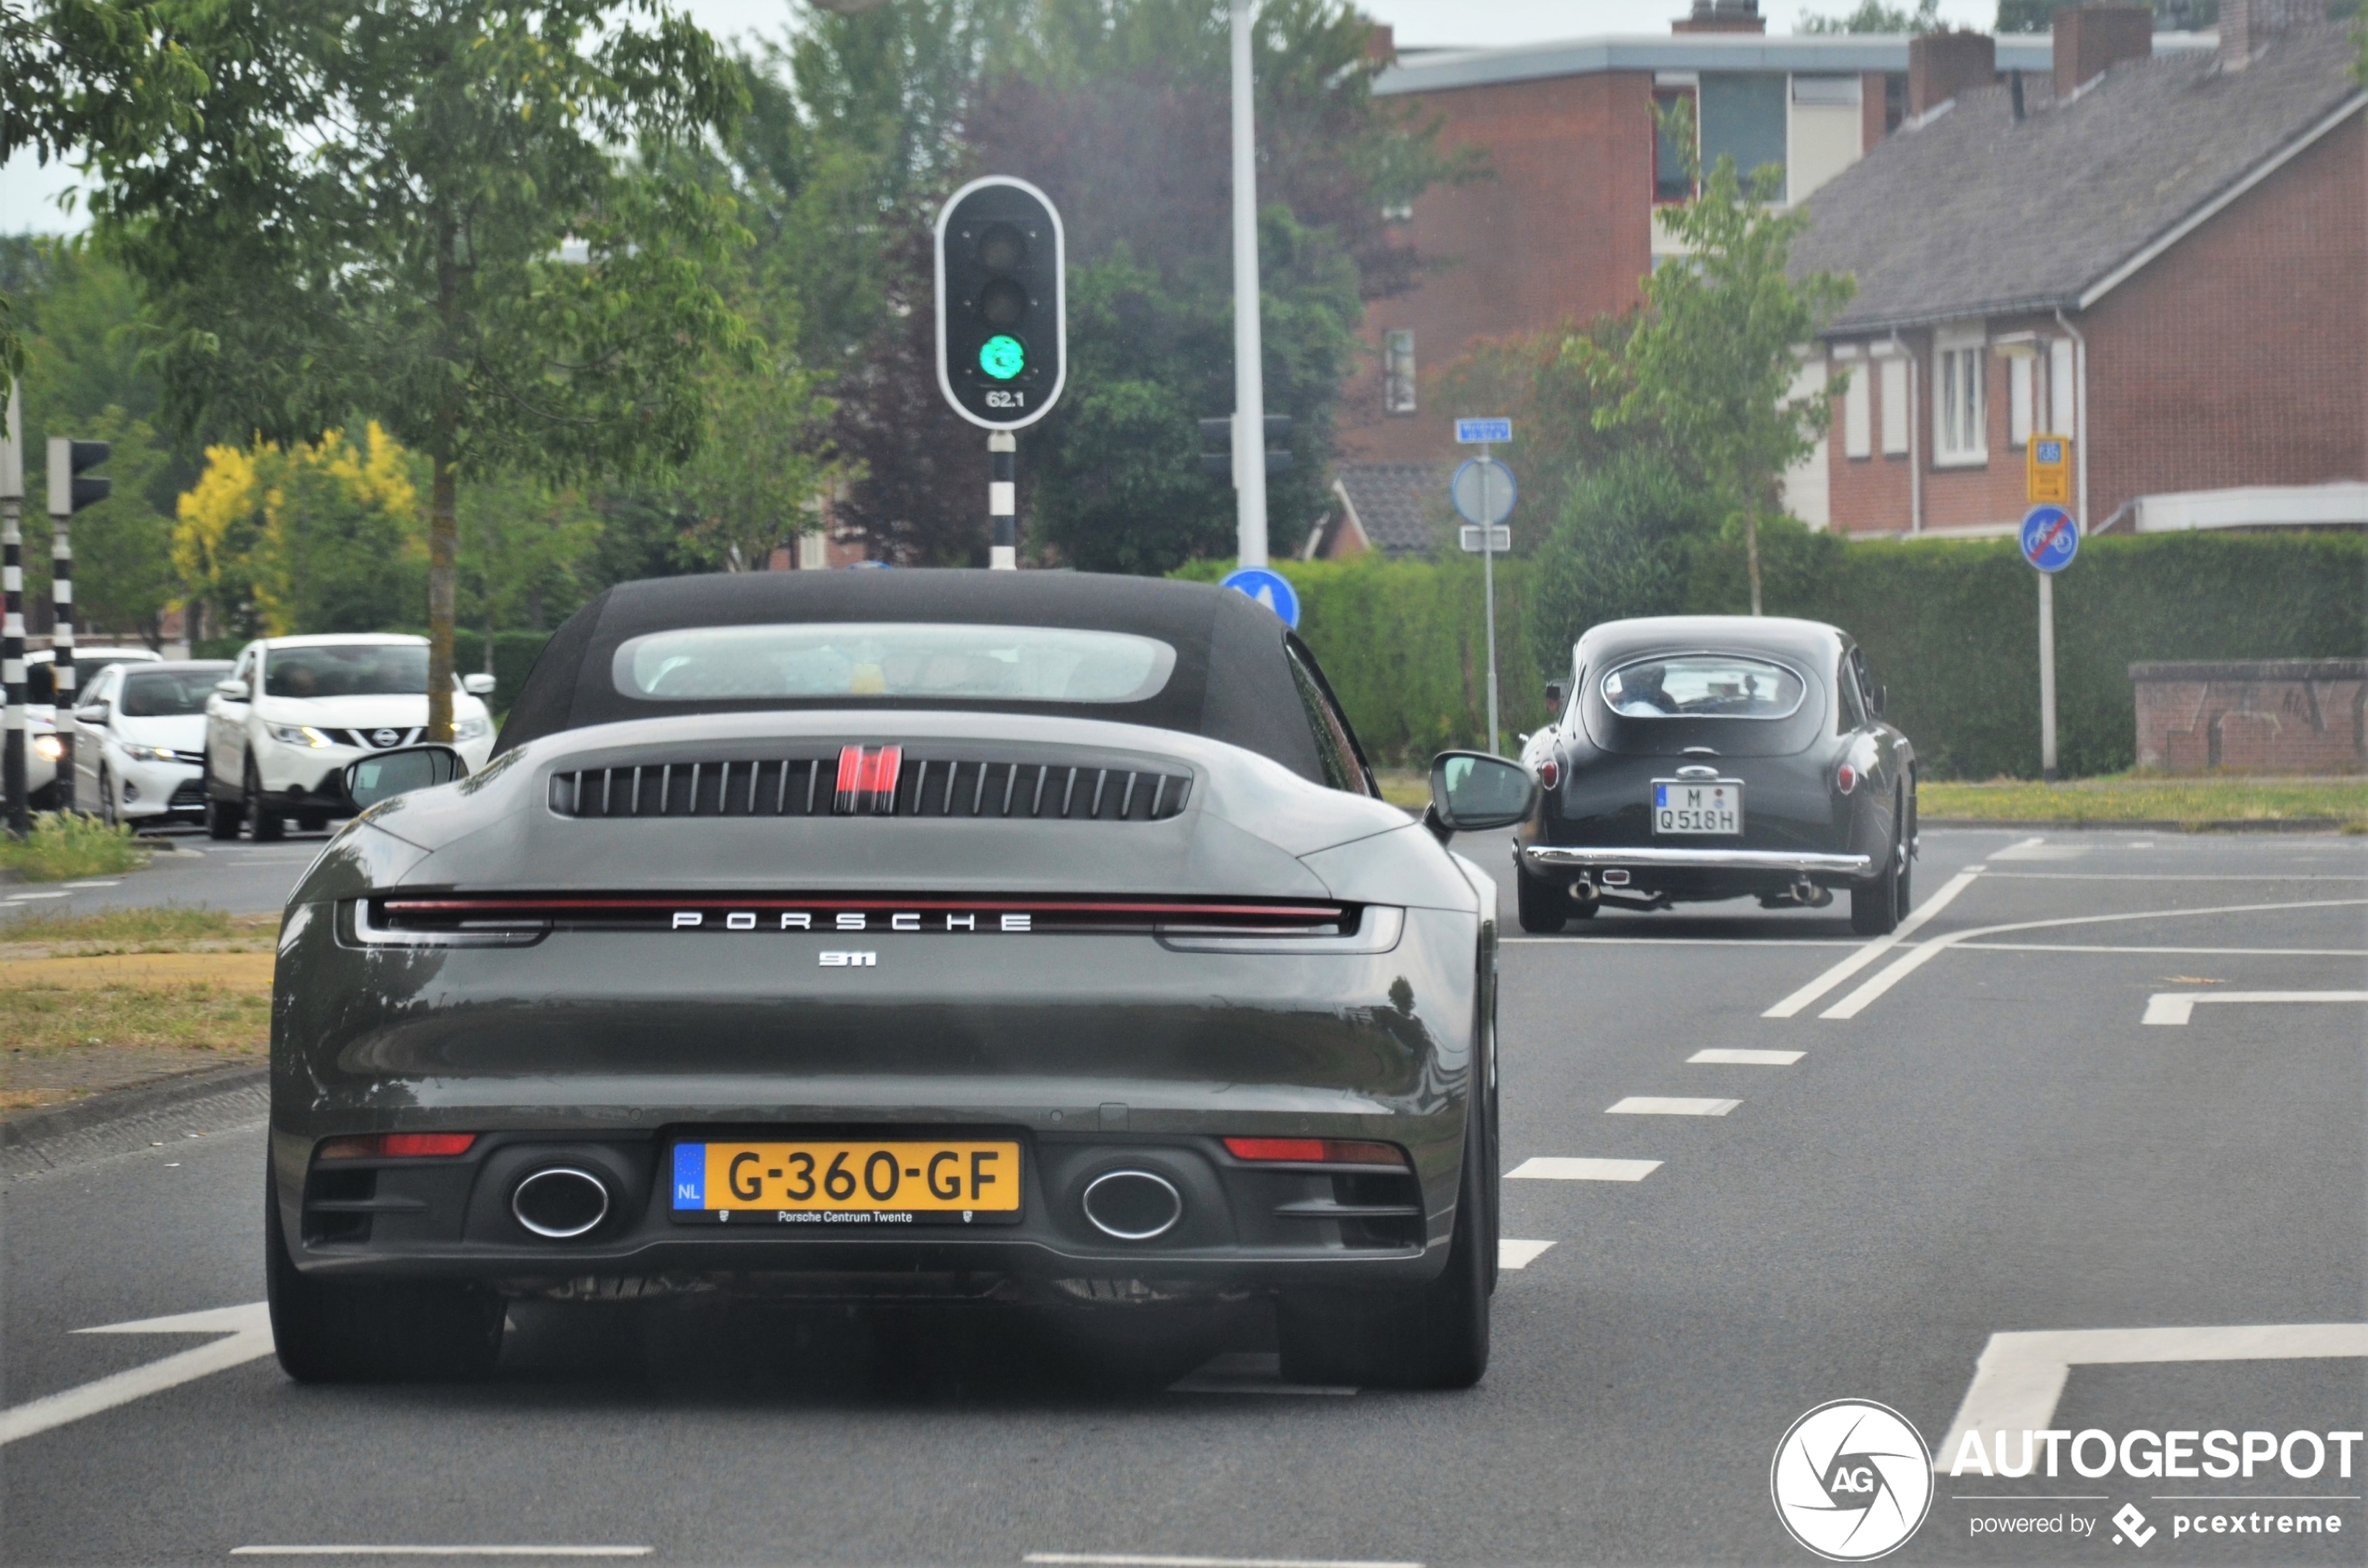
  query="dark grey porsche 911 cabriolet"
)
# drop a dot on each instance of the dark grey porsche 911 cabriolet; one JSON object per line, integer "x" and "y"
{"x": 1009, "y": 935}
{"x": 1704, "y": 757}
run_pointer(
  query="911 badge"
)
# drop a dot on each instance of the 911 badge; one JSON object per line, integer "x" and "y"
{"x": 843, "y": 960}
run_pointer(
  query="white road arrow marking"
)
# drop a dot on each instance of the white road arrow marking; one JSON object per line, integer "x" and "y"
{"x": 248, "y": 1331}
{"x": 1511, "y": 1254}
{"x": 1719, "y": 1057}
{"x": 2172, "y": 1007}
{"x": 2021, "y": 1376}
{"x": 1669, "y": 1105}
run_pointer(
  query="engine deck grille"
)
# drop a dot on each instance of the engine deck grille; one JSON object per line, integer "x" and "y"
{"x": 876, "y": 782}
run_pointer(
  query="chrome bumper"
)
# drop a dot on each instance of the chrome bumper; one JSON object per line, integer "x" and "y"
{"x": 1562, "y": 857}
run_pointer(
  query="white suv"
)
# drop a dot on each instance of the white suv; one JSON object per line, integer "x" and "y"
{"x": 294, "y": 710}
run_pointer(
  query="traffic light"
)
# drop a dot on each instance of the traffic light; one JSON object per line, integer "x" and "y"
{"x": 69, "y": 491}
{"x": 1217, "y": 446}
{"x": 1002, "y": 332}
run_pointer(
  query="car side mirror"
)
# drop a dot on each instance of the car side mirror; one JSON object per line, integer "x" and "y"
{"x": 398, "y": 773}
{"x": 1472, "y": 791}
{"x": 94, "y": 713}
{"x": 1554, "y": 693}
{"x": 1875, "y": 698}
{"x": 477, "y": 685}
{"x": 231, "y": 690}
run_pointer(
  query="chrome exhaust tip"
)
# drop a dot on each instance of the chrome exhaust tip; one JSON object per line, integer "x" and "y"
{"x": 1132, "y": 1205}
{"x": 1583, "y": 890}
{"x": 560, "y": 1202}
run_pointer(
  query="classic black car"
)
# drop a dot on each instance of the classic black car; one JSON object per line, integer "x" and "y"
{"x": 1001, "y": 936}
{"x": 1710, "y": 757}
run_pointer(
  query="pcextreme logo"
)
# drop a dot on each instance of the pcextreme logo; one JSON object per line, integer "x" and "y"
{"x": 1851, "y": 1480}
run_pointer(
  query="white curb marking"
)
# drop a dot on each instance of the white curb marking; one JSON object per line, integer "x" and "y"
{"x": 249, "y": 1328}
{"x": 1877, "y": 948}
{"x": 1554, "y": 1167}
{"x": 2173, "y": 1007}
{"x": 2019, "y": 1377}
{"x": 1725, "y": 1058}
{"x": 1511, "y": 1254}
{"x": 1669, "y": 1105}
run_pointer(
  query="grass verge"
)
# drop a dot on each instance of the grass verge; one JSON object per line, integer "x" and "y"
{"x": 63, "y": 844}
{"x": 2144, "y": 798}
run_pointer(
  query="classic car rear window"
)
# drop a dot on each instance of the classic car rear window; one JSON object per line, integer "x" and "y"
{"x": 892, "y": 659}
{"x": 1703, "y": 686}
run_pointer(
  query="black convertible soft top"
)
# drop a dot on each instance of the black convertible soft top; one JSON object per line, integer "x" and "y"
{"x": 1231, "y": 682}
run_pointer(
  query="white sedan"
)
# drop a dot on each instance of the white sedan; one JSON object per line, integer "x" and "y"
{"x": 140, "y": 751}
{"x": 293, "y": 711}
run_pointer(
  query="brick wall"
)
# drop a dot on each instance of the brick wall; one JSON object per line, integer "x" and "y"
{"x": 1562, "y": 229}
{"x": 2240, "y": 356}
{"x": 2274, "y": 716}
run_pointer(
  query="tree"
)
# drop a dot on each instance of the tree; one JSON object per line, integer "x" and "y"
{"x": 84, "y": 74}
{"x": 2038, "y": 16}
{"x": 1873, "y": 16}
{"x": 1622, "y": 545}
{"x": 527, "y": 553}
{"x": 1541, "y": 384}
{"x": 457, "y": 216}
{"x": 1712, "y": 364}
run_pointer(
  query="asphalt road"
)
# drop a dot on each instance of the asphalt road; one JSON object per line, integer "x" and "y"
{"x": 196, "y": 871}
{"x": 1980, "y": 1138}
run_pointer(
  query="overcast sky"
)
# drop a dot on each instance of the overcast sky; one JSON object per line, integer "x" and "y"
{"x": 28, "y": 194}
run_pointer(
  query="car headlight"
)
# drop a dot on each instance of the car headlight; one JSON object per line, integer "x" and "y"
{"x": 48, "y": 748}
{"x": 297, "y": 735}
{"x": 470, "y": 729}
{"x": 147, "y": 753}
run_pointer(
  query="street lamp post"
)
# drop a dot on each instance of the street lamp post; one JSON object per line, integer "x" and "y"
{"x": 1249, "y": 380}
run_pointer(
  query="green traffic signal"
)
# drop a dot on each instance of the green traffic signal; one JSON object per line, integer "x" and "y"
{"x": 1002, "y": 356}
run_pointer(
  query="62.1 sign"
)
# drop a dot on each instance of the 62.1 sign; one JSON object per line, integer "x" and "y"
{"x": 999, "y": 398}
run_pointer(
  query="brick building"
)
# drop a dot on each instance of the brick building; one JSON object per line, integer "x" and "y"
{"x": 2166, "y": 259}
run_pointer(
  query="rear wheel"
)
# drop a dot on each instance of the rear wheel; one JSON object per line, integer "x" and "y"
{"x": 1430, "y": 1336}
{"x": 264, "y": 824}
{"x": 1542, "y": 908}
{"x": 373, "y": 1331}
{"x": 107, "y": 812}
{"x": 1876, "y": 907}
{"x": 313, "y": 822}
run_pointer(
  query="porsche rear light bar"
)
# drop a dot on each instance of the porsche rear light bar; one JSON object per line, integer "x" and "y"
{"x": 509, "y": 917}
{"x": 397, "y": 1146}
{"x": 1316, "y": 1151}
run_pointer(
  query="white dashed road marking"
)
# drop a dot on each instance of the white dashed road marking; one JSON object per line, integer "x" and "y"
{"x": 1135, "y": 1560}
{"x": 2040, "y": 849}
{"x": 1511, "y": 1254}
{"x": 2173, "y": 1007}
{"x": 1669, "y": 1105}
{"x": 249, "y": 1328}
{"x": 1724, "y": 1058}
{"x": 1551, "y": 1167}
{"x": 2019, "y": 1377}
{"x": 440, "y": 1551}
{"x": 1877, "y": 948}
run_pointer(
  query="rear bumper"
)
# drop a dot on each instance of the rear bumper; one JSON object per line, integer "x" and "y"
{"x": 1555, "y": 857}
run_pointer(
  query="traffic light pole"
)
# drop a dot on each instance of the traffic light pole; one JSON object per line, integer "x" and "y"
{"x": 1003, "y": 501}
{"x": 12, "y": 634}
{"x": 1249, "y": 381}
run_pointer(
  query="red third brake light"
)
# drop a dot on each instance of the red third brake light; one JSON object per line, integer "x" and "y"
{"x": 398, "y": 1146}
{"x": 1316, "y": 1151}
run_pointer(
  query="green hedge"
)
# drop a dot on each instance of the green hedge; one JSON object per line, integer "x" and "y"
{"x": 1950, "y": 628}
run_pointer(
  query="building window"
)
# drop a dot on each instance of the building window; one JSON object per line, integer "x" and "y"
{"x": 2061, "y": 386}
{"x": 1398, "y": 371}
{"x": 1673, "y": 161}
{"x": 1858, "y": 409}
{"x": 1959, "y": 433}
{"x": 1894, "y": 408}
{"x": 1743, "y": 118}
{"x": 2021, "y": 372}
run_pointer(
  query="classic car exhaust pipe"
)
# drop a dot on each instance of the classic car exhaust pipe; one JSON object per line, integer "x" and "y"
{"x": 1132, "y": 1205}
{"x": 1809, "y": 895}
{"x": 1583, "y": 890}
{"x": 560, "y": 1202}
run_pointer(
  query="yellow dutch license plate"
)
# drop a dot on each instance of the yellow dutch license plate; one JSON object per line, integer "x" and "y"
{"x": 823, "y": 1182}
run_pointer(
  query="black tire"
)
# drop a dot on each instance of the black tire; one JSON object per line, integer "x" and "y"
{"x": 1540, "y": 909}
{"x": 358, "y": 1332}
{"x": 222, "y": 818}
{"x": 1430, "y": 1336}
{"x": 313, "y": 822}
{"x": 1876, "y": 906}
{"x": 265, "y": 825}
{"x": 107, "y": 812}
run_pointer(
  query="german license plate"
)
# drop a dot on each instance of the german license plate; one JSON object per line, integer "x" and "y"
{"x": 899, "y": 1182}
{"x": 1682, "y": 806}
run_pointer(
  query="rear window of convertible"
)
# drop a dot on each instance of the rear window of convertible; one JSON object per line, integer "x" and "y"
{"x": 1703, "y": 686}
{"x": 892, "y": 659}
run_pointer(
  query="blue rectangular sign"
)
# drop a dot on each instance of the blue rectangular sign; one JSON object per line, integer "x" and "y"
{"x": 1474, "y": 433}
{"x": 690, "y": 1175}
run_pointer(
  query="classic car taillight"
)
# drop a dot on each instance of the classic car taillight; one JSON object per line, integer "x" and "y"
{"x": 1549, "y": 772}
{"x": 1846, "y": 778}
{"x": 1316, "y": 1151}
{"x": 397, "y": 1146}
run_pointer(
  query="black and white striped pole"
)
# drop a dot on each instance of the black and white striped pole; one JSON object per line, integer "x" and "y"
{"x": 1003, "y": 501}
{"x": 1002, "y": 332}
{"x": 69, "y": 491}
{"x": 12, "y": 633}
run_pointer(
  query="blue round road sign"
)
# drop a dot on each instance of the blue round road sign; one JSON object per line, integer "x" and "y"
{"x": 2051, "y": 538}
{"x": 1270, "y": 588}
